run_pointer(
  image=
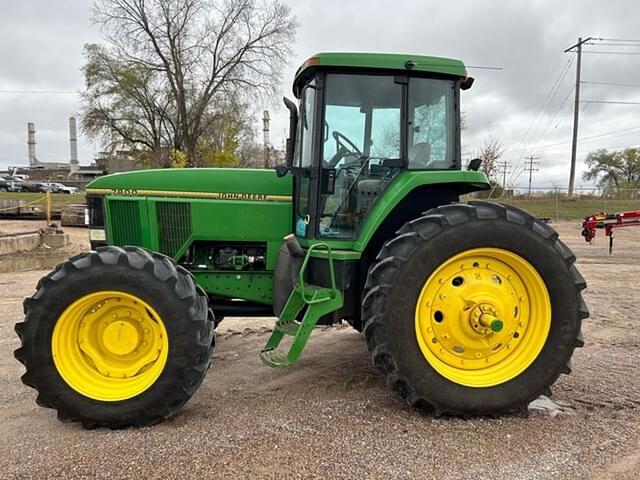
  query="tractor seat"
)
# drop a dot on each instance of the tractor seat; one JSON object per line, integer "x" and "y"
{"x": 419, "y": 155}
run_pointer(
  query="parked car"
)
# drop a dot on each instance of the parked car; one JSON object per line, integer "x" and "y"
{"x": 7, "y": 186}
{"x": 61, "y": 188}
{"x": 11, "y": 184}
{"x": 15, "y": 181}
{"x": 31, "y": 186}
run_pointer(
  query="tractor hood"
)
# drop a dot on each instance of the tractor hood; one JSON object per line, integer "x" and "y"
{"x": 223, "y": 183}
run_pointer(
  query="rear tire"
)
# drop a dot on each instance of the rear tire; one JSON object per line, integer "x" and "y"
{"x": 176, "y": 308}
{"x": 445, "y": 382}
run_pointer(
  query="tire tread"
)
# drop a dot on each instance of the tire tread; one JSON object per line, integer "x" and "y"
{"x": 397, "y": 251}
{"x": 200, "y": 326}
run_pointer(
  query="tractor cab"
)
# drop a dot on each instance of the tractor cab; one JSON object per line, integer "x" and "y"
{"x": 358, "y": 127}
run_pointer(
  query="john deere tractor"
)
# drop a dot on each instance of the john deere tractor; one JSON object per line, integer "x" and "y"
{"x": 466, "y": 308}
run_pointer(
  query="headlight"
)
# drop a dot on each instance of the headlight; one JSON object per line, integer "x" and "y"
{"x": 97, "y": 235}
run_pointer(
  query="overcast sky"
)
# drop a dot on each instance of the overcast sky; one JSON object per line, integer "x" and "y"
{"x": 42, "y": 42}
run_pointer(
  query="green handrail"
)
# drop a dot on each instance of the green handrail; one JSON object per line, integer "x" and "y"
{"x": 303, "y": 293}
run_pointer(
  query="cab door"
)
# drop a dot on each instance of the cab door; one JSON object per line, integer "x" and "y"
{"x": 304, "y": 164}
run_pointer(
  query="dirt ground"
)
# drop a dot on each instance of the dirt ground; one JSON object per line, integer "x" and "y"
{"x": 332, "y": 415}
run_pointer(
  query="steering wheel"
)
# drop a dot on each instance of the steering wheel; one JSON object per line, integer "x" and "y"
{"x": 342, "y": 141}
{"x": 344, "y": 147}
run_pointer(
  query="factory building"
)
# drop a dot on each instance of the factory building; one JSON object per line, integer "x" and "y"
{"x": 71, "y": 173}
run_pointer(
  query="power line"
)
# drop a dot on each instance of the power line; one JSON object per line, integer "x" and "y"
{"x": 610, "y": 101}
{"x": 615, "y": 44}
{"x": 611, "y": 53}
{"x": 591, "y": 137}
{"x": 617, "y": 40}
{"x": 46, "y": 92}
{"x": 615, "y": 84}
{"x": 547, "y": 101}
{"x": 622, "y": 145}
{"x": 518, "y": 172}
{"x": 585, "y": 149}
{"x": 553, "y": 121}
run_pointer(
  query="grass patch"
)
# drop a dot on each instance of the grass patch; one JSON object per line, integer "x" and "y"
{"x": 58, "y": 200}
{"x": 566, "y": 209}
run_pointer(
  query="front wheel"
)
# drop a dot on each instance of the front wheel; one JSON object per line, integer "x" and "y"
{"x": 116, "y": 337}
{"x": 473, "y": 309}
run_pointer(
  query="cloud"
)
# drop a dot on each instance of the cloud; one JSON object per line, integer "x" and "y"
{"x": 43, "y": 41}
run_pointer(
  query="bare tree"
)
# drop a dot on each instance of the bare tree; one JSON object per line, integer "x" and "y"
{"x": 201, "y": 53}
{"x": 490, "y": 152}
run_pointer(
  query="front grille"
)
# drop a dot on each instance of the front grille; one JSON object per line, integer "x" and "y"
{"x": 125, "y": 222}
{"x": 174, "y": 226}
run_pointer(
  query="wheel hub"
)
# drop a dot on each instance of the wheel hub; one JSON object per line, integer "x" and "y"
{"x": 120, "y": 338}
{"x": 484, "y": 321}
{"x": 475, "y": 312}
{"x": 110, "y": 345}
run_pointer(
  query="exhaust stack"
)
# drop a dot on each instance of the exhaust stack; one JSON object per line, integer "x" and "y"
{"x": 73, "y": 146}
{"x": 31, "y": 142}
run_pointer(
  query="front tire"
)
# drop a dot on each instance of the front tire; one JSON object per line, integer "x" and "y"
{"x": 116, "y": 337}
{"x": 473, "y": 309}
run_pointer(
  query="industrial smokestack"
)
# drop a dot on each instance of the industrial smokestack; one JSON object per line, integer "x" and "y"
{"x": 73, "y": 145}
{"x": 31, "y": 142}
{"x": 265, "y": 131}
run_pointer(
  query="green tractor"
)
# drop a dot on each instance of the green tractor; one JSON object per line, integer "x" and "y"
{"x": 467, "y": 308}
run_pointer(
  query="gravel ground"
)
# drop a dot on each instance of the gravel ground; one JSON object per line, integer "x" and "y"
{"x": 332, "y": 416}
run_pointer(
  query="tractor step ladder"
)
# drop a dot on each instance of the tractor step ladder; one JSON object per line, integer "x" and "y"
{"x": 318, "y": 301}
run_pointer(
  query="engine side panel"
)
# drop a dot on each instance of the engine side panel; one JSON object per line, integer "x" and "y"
{"x": 228, "y": 235}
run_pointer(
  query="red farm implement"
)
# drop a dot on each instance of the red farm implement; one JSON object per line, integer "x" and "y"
{"x": 609, "y": 222}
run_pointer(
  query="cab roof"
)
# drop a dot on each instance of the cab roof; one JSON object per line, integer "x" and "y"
{"x": 402, "y": 62}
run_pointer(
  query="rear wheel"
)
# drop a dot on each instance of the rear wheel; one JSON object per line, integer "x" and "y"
{"x": 116, "y": 337}
{"x": 473, "y": 309}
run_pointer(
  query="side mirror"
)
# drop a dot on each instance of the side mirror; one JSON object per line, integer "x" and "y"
{"x": 293, "y": 126}
{"x": 474, "y": 164}
{"x": 282, "y": 170}
{"x": 466, "y": 83}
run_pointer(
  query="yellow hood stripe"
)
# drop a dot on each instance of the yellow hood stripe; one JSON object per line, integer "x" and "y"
{"x": 246, "y": 197}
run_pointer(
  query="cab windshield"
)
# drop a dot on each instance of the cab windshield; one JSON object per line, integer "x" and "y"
{"x": 365, "y": 144}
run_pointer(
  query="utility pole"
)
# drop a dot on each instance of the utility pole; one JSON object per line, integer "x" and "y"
{"x": 576, "y": 110}
{"x": 504, "y": 168}
{"x": 531, "y": 166}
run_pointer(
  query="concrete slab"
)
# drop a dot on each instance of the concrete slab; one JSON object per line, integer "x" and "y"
{"x": 55, "y": 240}
{"x": 19, "y": 243}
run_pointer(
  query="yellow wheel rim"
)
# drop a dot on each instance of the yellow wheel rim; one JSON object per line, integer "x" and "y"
{"x": 483, "y": 317}
{"x": 109, "y": 346}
